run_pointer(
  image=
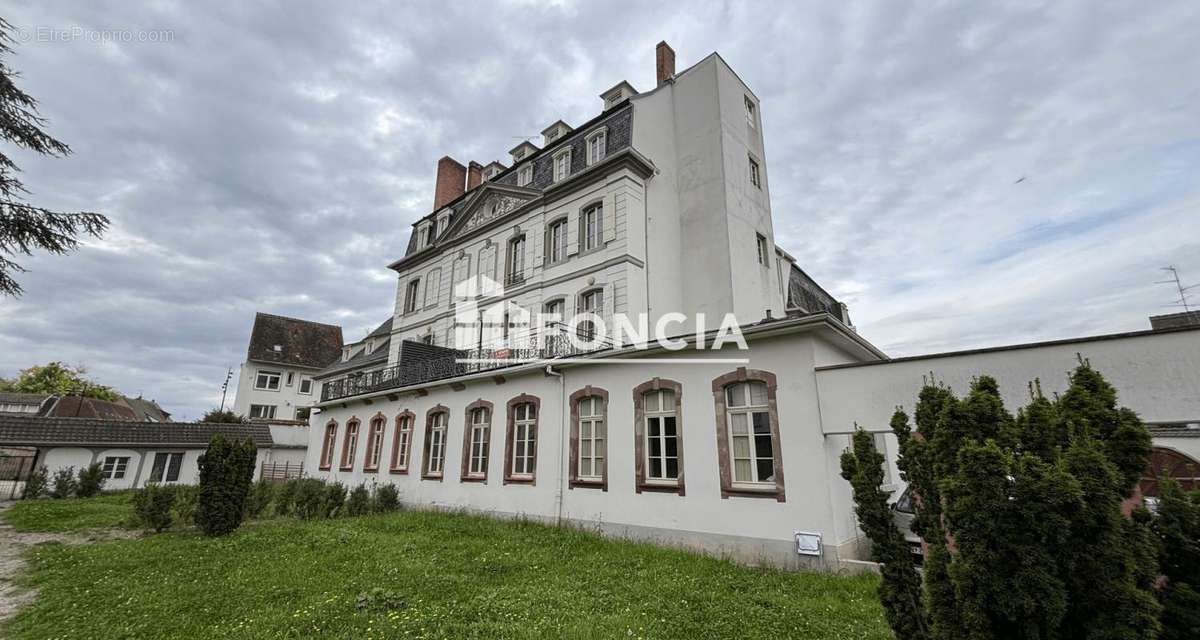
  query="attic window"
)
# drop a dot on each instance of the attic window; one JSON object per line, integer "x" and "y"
{"x": 278, "y": 348}
{"x": 525, "y": 176}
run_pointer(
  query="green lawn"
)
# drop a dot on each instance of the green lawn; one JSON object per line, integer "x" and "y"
{"x": 439, "y": 576}
{"x": 106, "y": 511}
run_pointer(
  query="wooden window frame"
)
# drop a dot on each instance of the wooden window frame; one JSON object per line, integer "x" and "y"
{"x": 742, "y": 374}
{"x": 596, "y": 239}
{"x": 374, "y": 448}
{"x": 425, "y": 474}
{"x": 412, "y": 291}
{"x": 348, "y": 451}
{"x": 639, "y": 436}
{"x": 395, "y": 467}
{"x": 328, "y": 445}
{"x": 464, "y": 473}
{"x": 574, "y": 479}
{"x": 509, "y": 477}
{"x": 562, "y": 247}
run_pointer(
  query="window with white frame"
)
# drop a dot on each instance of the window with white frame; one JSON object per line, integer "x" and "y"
{"x": 591, "y": 438}
{"x": 114, "y": 467}
{"x": 291, "y": 378}
{"x": 591, "y": 221}
{"x": 264, "y": 411}
{"x": 662, "y": 436}
{"x": 410, "y": 295}
{"x": 516, "y": 260}
{"x": 525, "y": 175}
{"x": 761, "y": 243}
{"x": 402, "y": 443}
{"x": 562, "y": 164}
{"x": 350, "y": 445}
{"x": 750, "y": 442}
{"x": 524, "y": 444}
{"x": 436, "y": 462}
{"x": 755, "y": 177}
{"x": 751, "y": 118}
{"x": 328, "y": 445}
{"x": 267, "y": 380}
{"x": 166, "y": 467}
{"x": 590, "y": 302}
{"x": 557, "y": 241}
{"x": 305, "y": 385}
{"x": 302, "y": 413}
{"x": 481, "y": 424}
{"x": 595, "y": 146}
{"x": 374, "y": 443}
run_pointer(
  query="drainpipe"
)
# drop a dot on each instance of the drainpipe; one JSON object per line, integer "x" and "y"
{"x": 562, "y": 442}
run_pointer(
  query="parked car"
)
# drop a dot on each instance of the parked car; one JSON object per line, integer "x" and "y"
{"x": 903, "y": 514}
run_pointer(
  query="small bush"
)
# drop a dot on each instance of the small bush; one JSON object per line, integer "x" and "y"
{"x": 387, "y": 499}
{"x": 36, "y": 483}
{"x": 226, "y": 470}
{"x": 335, "y": 498}
{"x": 310, "y": 496}
{"x": 63, "y": 484}
{"x": 186, "y": 499}
{"x": 91, "y": 481}
{"x": 152, "y": 506}
{"x": 259, "y": 498}
{"x": 359, "y": 503}
{"x": 285, "y": 497}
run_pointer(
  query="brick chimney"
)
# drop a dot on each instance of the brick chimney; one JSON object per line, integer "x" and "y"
{"x": 664, "y": 62}
{"x": 474, "y": 175}
{"x": 451, "y": 177}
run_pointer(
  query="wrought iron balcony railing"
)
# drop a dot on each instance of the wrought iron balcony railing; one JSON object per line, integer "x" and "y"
{"x": 452, "y": 364}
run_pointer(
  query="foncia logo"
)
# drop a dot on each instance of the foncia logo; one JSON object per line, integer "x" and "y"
{"x": 490, "y": 327}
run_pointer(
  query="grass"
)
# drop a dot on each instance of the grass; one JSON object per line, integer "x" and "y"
{"x": 424, "y": 575}
{"x": 106, "y": 511}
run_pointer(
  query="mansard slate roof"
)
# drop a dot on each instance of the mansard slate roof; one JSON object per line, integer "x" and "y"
{"x": 28, "y": 430}
{"x": 302, "y": 343}
{"x": 806, "y": 294}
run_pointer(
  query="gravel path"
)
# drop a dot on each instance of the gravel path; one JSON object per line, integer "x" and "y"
{"x": 13, "y": 545}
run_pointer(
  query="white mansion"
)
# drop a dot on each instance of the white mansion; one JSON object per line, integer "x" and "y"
{"x": 658, "y": 205}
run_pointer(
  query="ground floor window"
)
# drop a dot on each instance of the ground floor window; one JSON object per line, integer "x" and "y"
{"x": 374, "y": 443}
{"x": 114, "y": 467}
{"x": 658, "y": 436}
{"x": 166, "y": 467}
{"x": 266, "y": 411}
{"x": 591, "y": 438}
{"x": 476, "y": 436}
{"x": 350, "y": 445}
{"x": 328, "y": 444}
{"x": 521, "y": 454}
{"x": 402, "y": 442}
{"x": 435, "y": 442}
{"x": 750, "y": 459}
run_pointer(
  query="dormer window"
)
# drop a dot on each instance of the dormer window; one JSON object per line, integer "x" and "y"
{"x": 555, "y": 131}
{"x": 525, "y": 175}
{"x": 596, "y": 145}
{"x": 522, "y": 151}
{"x": 492, "y": 170}
{"x": 617, "y": 94}
{"x": 562, "y": 165}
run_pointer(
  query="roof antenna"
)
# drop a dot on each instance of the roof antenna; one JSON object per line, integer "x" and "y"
{"x": 1183, "y": 291}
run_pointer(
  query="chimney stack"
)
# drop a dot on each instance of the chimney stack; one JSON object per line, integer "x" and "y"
{"x": 451, "y": 178}
{"x": 664, "y": 62}
{"x": 474, "y": 175}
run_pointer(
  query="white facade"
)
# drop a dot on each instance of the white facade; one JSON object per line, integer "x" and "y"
{"x": 138, "y": 466}
{"x": 295, "y": 391}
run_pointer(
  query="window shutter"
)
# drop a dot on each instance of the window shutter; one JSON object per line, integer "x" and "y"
{"x": 610, "y": 218}
{"x": 545, "y": 245}
{"x": 573, "y": 234}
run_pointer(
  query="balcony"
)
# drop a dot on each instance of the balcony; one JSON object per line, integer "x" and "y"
{"x": 422, "y": 363}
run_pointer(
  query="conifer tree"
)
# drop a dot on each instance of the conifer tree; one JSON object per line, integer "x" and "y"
{"x": 1177, "y": 528}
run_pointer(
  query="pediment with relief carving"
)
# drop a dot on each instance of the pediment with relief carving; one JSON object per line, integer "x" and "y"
{"x": 488, "y": 207}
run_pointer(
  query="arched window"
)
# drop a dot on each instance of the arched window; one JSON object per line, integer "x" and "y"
{"x": 591, "y": 227}
{"x": 520, "y": 450}
{"x": 556, "y": 241}
{"x": 374, "y": 443}
{"x": 350, "y": 444}
{"x": 436, "y": 422}
{"x": 751, "y": 463}
{"x": 591, "y": 301}
{"x": 477, "y": 433}
{"x": 402, "y": 442}
{"x": 589, "y": 438}
{"x": 327, "y": 444}
{"x": 658, "y": 436}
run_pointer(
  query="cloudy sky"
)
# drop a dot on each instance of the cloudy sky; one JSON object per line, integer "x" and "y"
{"x": 272, "y": 158}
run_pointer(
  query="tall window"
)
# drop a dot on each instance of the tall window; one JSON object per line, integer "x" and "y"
{"x": 263, "y": 411}
{"x": 350, "y": 444}
{"x": 751, "y": 119}
{"x": 590, "y": 226}
{"x": 755, "y": 178}
{"x": 435, "y": 442}
{"x": 328, "y": 444}
{"x": 516, "y": 260}
{"x": 658, "y": 436}
{"x": 761, "y": 242}
{"x": 402, "y": 442}
{"x": 268, "y": 380}
{"x": 588, "y": 437}
{"x": 410, "y": 295}
{"x": 590, "y": 302}
{"x": 475, "y": 440}
{"x": 525, "y": 175}
{"x": 166, "y": 467}
{"x": 374, "y": 443}
{"x": 556, "y": 241}
{"x": 662, "y": 437}
{"x": 522, "y": 439}
{"x": 115, "y": 466}
{"x": 433, "y": 286}
{"x": 562, "y": 165}
{"x": 487, "y": 269}
{"x": 748, "y": 434}
{"x": 595, "y": 147}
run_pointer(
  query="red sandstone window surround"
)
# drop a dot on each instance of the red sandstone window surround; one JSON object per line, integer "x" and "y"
{"x": 589, "y": 439}
{"x": 520, "y": 447}
{"x": 402, "y": 442}
{"x": 658, "y": 436}
{"x": 374, "y": 443}
{"x": 477, "y": 435}
{"x": 748, "y": 451}
{"x": 350, "y": 444}
{"x": 433, "y": 465}
{"x": 328, "y": 444}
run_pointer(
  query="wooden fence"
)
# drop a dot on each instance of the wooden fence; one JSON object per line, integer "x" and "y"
{"x": 279, "y": 472}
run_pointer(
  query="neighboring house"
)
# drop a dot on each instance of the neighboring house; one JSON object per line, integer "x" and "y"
{"x": 124, "y": 409}
{"x": 130, "y": 453}
{"x": 659, "y": 204}
{"x": 22, "y": 402}
{"x": 276, "y": 381}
